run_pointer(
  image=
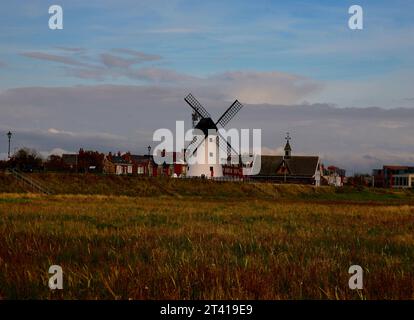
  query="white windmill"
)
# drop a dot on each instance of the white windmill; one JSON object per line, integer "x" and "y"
{"x": 204, "y": 149}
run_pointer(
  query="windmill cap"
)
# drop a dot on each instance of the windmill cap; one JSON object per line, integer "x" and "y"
{"x": 206, "y": 124}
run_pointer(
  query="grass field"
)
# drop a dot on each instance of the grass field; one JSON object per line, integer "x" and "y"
{"x": 265, "y": 242}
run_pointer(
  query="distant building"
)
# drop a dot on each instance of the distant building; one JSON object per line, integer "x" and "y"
{"x": 117, "y": 164}
{"x": 378, "y": 178}
{"x": 333, "y": 176}
{"x": 393, "y": 177}
{"x": 143, "y": 165}
{"x": 288, "y": 168}
{"x": 174, "y": 164}
{"x": 403, "y": 181}
{"x": 70, "y": 160}
{"x": 296, "y": 169}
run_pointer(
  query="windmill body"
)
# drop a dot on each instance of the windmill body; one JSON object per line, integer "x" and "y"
{"x": 204, "y": 149}
{"x": 207, "y": 162}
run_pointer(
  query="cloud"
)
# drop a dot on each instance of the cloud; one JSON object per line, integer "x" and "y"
{"x": 56, "y": 131}
{"x": 134, "y": 57}
{"x": 98, "y": 74}
{"x": 112, "y": 118}
{"x": 157, "y": 75}
{"x": 112, "y": 61}
{"x": 61, "y": 141}
{"x": 248, "y": 86}
{"x": 266, "y": 87}
{"x": 82, "y": 135}
{"x": 71, "y": 49}
{"x": 142, "y": 56}
{"x": 53, "y": 58}
{"x": 106, "y": 65}
{"x": 174, "y": 30}
{"x": 56, "y": 151}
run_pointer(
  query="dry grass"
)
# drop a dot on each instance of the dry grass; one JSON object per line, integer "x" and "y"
{"x": 94, "y": 184}
{"x": 118, "y": 247}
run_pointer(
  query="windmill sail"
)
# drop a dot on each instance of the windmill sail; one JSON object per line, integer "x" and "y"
{"x": 195, "y": 143}
{"x": 193, "y": 103}
{"x": 229, "y": 113}
{"x": 225, "y": 145}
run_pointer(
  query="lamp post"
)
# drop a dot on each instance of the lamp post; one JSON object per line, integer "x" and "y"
{"x": 149, "y": 167}
{"x": 9, "y": 135}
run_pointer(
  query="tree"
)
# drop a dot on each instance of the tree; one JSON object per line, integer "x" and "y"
{"x": 3, "y": 165}
{"x": 55, "y": 163}
{"x": 360, "y": 180}
{"x": 26, "y": 160}
{"x": 90, "y": 159}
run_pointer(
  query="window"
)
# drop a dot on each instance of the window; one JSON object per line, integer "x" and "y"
{"x": 140, "y": 170}
{"x": 211, "y": 139}
{"x": 211, "y": 154}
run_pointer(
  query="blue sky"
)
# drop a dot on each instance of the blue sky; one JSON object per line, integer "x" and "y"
{"x": 277, "y": 53}
{"x": 309, "y": 38}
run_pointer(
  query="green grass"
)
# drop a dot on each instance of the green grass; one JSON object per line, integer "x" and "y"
{"x": 15, "y": 200}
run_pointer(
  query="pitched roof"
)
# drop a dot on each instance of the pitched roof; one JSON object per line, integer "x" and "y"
{"x": 297, "y": 165}
{"x": 119, "y": 160}
{"x": 140, "y": 158}
{"x": 288, "y": 147}
{"x": 269, "y": 165}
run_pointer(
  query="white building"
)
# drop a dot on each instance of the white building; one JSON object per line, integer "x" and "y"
{"x": 205, "y": 161}
{"x": 403, "y": 181}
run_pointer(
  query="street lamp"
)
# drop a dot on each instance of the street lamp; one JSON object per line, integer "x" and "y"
{"x": 149, "y": 166}
{"x": 9, "y": 135}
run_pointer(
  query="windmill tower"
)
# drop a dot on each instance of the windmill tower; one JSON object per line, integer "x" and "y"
{"x": 205, "y": 148}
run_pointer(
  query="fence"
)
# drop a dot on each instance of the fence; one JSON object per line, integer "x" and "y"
{"x": 34, "y": 186}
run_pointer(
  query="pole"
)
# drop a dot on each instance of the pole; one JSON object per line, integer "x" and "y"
{"x": 9, "y": 135}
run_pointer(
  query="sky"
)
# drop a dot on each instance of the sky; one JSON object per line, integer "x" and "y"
{"x": 120, "y": 69}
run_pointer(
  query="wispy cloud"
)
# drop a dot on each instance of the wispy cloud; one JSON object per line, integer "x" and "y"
{"x": 161, "y": 75}
{"x": 54, "y": 58}
{"x": 71, "y": 49}
{"x": 174, "y": 30}
{"x": 248, "y": 86}
{"x": 112, "y": 61}
{"x": 142, "y": 56}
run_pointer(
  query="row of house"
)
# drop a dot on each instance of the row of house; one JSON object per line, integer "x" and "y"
{"x": 131, "y": 164}
{"x": 273, "y": 168}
